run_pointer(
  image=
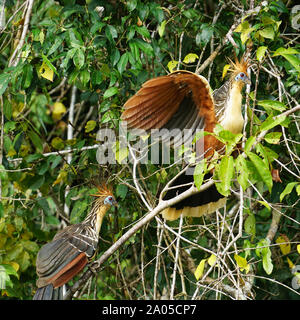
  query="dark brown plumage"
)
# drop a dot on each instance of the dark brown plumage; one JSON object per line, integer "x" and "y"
{"x": 184, "y": 100}
{"x": 70, "y": 250}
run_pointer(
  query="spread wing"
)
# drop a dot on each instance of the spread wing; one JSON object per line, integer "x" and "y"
{"x": 180, "y": 100}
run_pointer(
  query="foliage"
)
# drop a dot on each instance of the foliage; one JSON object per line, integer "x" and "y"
{"x": 72, "y": 48}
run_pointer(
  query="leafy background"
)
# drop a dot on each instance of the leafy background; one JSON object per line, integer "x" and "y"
{"x": 73, "y": 69}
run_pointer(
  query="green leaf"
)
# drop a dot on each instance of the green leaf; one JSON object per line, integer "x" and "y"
{"x": 27, "y": 75}
{"x": 84, "y": 77}
{"x": 263, "y": 250}
{"x": 273, "y": 137}
{"x": 4, "y": 81}
{"x": 145, "y": 46}
{"x": 249, "y": 143}
{"x": 267, "y": 32}
{"x": 199, "y": 173}
{"x": 5, "y": 271}
{"x": 30, "y": 246}
{"x": 225, "y": 174}
{"x": 262, "y": 152}
{"x": 262, "y": 169}
{"x": 52, "y": 220}
{"x": 110, "y": 92}
{"x": 287, "y": 190}
{"x": 250, "y": 224}
{"x": 121, "y": 191}
{"x": 142, "y": 30}
{"x": 36, "y": 182}
{"x": 131, "y": 4}
{"x": 57, "y": 143}
{"x": 282, "y": 51}
{"x": 79, "y": 58}
{"x": 293, "y": 60}
{"x": 35, "y": 139}
{"x": 161, "y": 28}
{"x": 123, "y": 62}
{"x": 134, "y": 50}
{"x": 243, "y": 172}
{"x": 298, "y": 190}
{"x": 260, "y": 53}
{"x": 267, "y": 262}
{"x": 90, "y": 126}
{"x": 272, "y": 104}
{"x": 265, "y": 204}
{"x": 270, "y": 122}
{"x": 57, "y": 43}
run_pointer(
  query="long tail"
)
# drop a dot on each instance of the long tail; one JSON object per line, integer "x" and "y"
{"x": 49, "y": 293}
{"x": 196, "y": 205}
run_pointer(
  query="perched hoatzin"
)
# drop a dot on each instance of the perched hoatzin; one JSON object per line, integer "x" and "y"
{"x": 184, "y": 100}
{"x": 70, "y": 250}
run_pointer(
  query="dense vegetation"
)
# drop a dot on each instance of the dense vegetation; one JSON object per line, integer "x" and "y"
{"x": 67, "y": 68}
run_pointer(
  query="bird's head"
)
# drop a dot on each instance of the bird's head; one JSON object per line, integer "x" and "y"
{"x": 239, "y": 71}
{"x": 105, "y": 194}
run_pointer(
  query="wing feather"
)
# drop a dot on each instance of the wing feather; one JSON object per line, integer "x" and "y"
{"x": 156, "y": 104}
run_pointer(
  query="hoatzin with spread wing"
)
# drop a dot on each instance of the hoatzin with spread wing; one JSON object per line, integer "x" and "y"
{"x": 184, "y": 100}
{"x": 70, "y": 250}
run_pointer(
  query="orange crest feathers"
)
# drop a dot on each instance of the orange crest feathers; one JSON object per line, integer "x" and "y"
{"x": 103, "y": 191}
{"x": 239, "y": 66}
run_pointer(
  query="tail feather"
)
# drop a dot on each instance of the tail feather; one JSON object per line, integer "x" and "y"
{"x": 49, "y": 293}
{"x": 196, "y": 205}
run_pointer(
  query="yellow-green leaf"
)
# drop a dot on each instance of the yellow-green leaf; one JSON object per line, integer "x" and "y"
{"x": 225, "y": 69}
{"x": 273, "y": 137}
{"x": 57, "y": 143}
{"x": 281, "y": 51}
{"x": 199, "y": 271}
{"x": 90, "y": 126}
{"x": 284, "y": 244}
{"x": 46, "y": 72}
{"x": 298, "y": 190}
{"x": 41, "y": 37}
{"x": 267, "y": 32}
{"x": 242, "y": 263}
{"x": 250, "y": 224}
{"x": 288, "y": 189}
{"x": 161, "y": 28}
{"x": 172, "y": 65}
{"x": 58, "y": 110}
{"x": 298, "y": 248}
{"x": 122, "y": 154}
{"x": 260, "y": 53}
{"x": 190, "y": 58}
{"x": 245, "y": 35}
{"x": 212, "y": 260}
{"x": 290, "y": 262}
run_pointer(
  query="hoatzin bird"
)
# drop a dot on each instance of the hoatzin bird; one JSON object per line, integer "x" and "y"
{"x": 70, "y": 250}
{"x": 184, "y": 100}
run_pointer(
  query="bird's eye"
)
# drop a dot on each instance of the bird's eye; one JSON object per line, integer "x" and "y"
{"x": 242, "y": 75}
{"x": 110, "y": 198}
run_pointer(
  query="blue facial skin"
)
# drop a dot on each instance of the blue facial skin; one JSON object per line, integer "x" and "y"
{"x": 109, "y": 200}
{"x": 242, "y": 77}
